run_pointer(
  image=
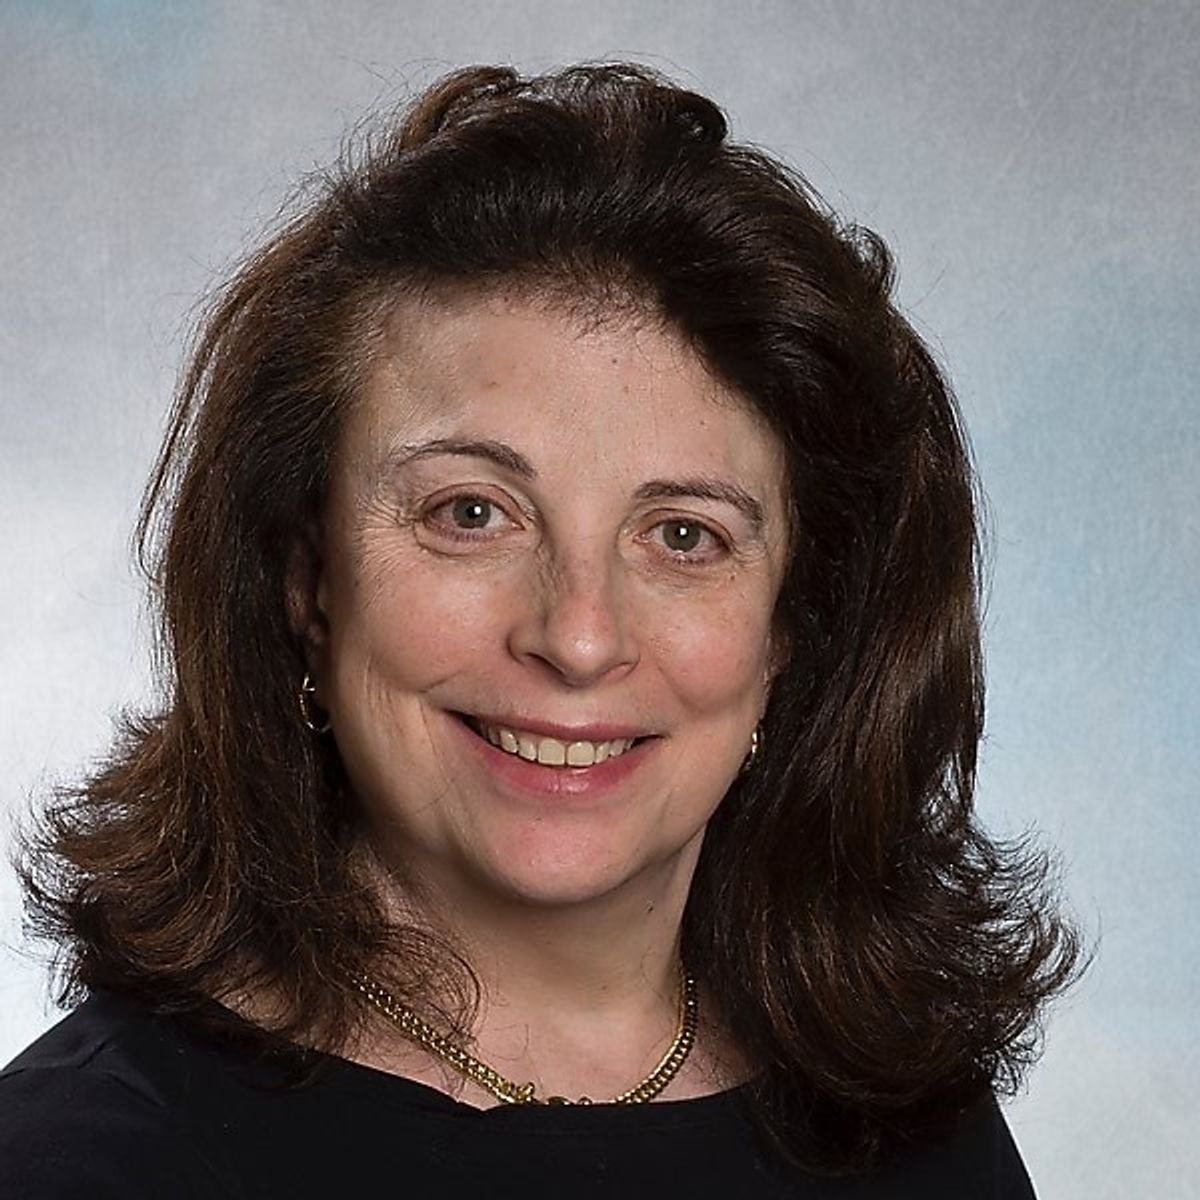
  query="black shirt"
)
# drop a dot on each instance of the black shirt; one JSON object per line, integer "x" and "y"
{"x": 115, "y": 1102}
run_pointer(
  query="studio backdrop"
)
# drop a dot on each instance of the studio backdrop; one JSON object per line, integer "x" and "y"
{"x": 1036, "y": 168}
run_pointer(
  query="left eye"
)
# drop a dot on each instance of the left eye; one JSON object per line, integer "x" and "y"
{"x": 684, "y": 537}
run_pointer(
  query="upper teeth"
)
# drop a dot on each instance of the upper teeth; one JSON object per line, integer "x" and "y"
{"x": 550, "y": 751}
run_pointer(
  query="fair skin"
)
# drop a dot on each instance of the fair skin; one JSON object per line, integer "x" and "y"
{"x": 546, "y": 542}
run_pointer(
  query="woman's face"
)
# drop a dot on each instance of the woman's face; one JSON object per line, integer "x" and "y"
{"x": 541, "y": 621}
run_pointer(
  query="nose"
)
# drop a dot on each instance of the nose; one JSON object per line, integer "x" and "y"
{"x": 573, "y": 620}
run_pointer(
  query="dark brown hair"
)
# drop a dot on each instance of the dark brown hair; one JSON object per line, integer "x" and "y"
{"x": 880, "y": 961}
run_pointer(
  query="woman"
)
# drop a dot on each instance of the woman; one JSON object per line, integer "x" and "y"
{"x": 568, "y": 584}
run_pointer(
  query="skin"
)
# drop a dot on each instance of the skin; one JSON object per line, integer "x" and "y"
{"x": 497, "y": 544}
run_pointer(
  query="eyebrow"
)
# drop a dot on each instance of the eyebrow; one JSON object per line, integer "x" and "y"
{"x": 705, "y": 488}
{"x": 502, "y": 454}
{"x": 702, "y": 487}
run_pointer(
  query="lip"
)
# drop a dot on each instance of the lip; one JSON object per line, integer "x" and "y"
{"x": 522, "y": 779}
{"x": 596, "y": 732}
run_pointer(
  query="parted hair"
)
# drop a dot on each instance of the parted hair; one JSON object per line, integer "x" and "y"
{"x": 879, "y": 960}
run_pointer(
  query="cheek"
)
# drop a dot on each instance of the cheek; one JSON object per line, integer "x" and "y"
{"x": 410, "y": 626}
{"x": 716, "y": 654}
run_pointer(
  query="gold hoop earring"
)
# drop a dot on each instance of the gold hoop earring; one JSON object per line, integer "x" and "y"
{"x": 305, "y": 697}
{"x": 756, "y": 740}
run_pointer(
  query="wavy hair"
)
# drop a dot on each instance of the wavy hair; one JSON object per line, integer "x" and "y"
{"x": 880, "y": 960}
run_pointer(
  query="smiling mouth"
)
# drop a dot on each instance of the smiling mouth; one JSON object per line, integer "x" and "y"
{"x": 548, "y": 751}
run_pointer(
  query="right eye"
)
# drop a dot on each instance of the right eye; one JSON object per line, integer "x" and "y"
{"x": 467, "y": 515}
{"x": 470, "y": 512}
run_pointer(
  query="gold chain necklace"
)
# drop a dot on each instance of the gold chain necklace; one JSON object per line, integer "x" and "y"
{"x": 508, "y": 1092}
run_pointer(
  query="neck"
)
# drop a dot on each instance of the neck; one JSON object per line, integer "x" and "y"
{"x": 579, "y": 998}
{"x": 587, "y": 957}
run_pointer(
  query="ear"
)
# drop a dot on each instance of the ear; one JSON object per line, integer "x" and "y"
{"x": 304, "y": 595}
{"x": 779, "y": 654}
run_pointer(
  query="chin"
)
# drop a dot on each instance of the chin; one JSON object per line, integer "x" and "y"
{"x": 556, "y": 886}
{"x": 578, "y": 875}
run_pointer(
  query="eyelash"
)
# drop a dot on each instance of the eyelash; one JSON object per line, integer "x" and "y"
{"x": 447, "y": 529}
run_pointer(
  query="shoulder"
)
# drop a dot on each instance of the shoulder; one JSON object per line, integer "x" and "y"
{"x": 979, "y": 1160}
{"x": 89, "y": 1110}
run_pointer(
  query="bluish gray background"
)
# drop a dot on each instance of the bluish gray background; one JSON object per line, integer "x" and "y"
{"x": 1034, "y": 165}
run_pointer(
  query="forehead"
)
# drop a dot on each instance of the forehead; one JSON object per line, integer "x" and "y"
{"x": 612, "y": 394}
